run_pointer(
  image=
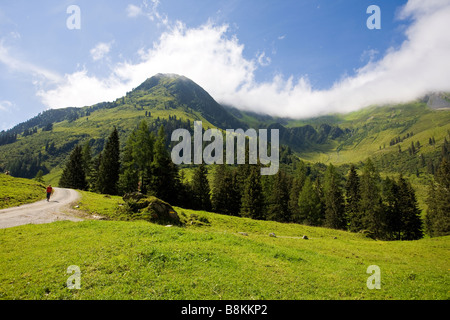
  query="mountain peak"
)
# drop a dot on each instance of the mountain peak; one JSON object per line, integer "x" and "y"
{"x": 189, "y": 94}
{"x": 160, "y": 78}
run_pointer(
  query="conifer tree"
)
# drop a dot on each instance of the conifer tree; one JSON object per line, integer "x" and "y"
{"x": 310, "y": 205}
{"x": 164, "y": 172}
{"x": 201, "y": 191}
{"x": 108, "y": 173}
{"x": 142, "y": 150}
{"x": 278, "y": 199}
{"x": 252, "y": 204}
{"x": 392, "y": 210}
{"x": 410, "y": 223}
{"x": 129, "y": 178}
{"x": 296, "y": 188}
{"x": 371, "y": 202}
{"x": 353, "y": 201}
{"x": 73, "y": 175}
{"x": 224, "y": 193}
{"x": 334, "y": 200}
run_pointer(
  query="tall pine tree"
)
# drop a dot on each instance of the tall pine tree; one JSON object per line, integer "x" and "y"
{"x": 278, "y": 199}
{"x": 164, "y": 172}
{"x": 353, "y": 201}
{"x": 252, "y": 204}
{"x": 129, "y": 177}
{"x": 334, "y": 200}
{"x": 73, "y": 175}
{"x": 310, "y": 204}
{"x": 109, "y": 170}
{"x": 411, "y": 222}
{"x": 296, "y": 188}
{"x": 371, "y": 201}
{"x": 225, "y": 194}
{"x": 201, "y": 191}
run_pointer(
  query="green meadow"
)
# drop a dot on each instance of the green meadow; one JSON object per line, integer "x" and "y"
{"x": 17, "y": 191}
{"x": 212, "y": 257}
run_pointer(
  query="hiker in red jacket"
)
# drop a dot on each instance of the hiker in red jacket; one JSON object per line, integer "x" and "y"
{"x": 49, "y": 192}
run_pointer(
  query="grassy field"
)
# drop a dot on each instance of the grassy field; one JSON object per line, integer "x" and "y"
{"x": 209, "y": 258}
{"x": 17, "y": 191}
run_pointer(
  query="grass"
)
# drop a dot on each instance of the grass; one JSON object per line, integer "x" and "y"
{"x": 17, "y": 191}
{"x": 212, "y": 260}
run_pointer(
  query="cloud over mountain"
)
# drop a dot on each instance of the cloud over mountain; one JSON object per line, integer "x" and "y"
{"x": 214, "y": 58}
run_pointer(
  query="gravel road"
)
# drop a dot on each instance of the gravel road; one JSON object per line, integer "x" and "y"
{"x": 42, "y": 211}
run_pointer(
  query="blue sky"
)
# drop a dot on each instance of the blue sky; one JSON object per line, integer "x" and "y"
{"x": 291, "y": 58}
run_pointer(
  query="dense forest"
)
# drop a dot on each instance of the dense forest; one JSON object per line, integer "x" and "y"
{"x": 312, "y": 194}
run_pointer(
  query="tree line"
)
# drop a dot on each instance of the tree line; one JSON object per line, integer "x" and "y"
{"x": 315, "y": 195}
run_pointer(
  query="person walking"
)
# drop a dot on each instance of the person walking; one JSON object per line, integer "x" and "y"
{"x": 49, "y": 192}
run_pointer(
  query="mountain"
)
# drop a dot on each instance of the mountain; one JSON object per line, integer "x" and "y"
{"x": 44, "y": 142}
{"x": 179, "y": 92}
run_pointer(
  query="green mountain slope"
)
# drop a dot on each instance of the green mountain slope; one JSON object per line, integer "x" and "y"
{"x": 45, "y": 141}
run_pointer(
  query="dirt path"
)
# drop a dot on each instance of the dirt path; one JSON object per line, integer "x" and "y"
{"x": 41, "y": 211}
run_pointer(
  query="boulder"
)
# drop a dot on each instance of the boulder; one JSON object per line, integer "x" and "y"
{"x": 272, "y": 235}
{"x": 159, "y": 211}
{"x": 305, "y": 237}
{"x": 136, "y": 196}
{"x": 151, "y": 209}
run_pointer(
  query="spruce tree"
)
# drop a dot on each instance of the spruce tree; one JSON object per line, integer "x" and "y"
{"x": 373, "y": 217}
{"x": 353, "y": 201}
{"x": 129, "y": 177}
{"x": 223, "y": 196}
{"x": 201, "y": 191}
{"x": 334, "y": 200}
{"x": 73, "y": 175}
{"x": 411, "y": 222}
{"x": 278, "y": 199}
{"x": 252, "y": 204}
{"x": 164, "y": 172}
{"x": 310, "y": 205}
{"x": 109, "y": 170}
{"x": 393, "y": 228}
{"x": 142, "y": 152}
{"x": 294, "y": 192}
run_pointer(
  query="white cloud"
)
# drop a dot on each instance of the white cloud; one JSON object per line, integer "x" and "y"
{"x": 133, "y": 11}
{"x": 80, "y": 89}
{"x": 100, "y": 50}
{"x": 23, "y": 66}
{"x": 215, "y": 60}
{"x": 6, "y": 105}
{"x": 149, "y": 10}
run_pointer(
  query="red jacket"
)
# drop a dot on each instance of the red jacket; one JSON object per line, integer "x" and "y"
{"x": 49, "y": 189}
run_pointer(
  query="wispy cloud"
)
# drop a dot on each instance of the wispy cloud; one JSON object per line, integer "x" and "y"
{"x": 6, "y": 105}
{"x": 149, "y": 10}
{"x": 100, "y": 50}
{"x": 19, "y": 65}
{"x": 214, "y": 59}
{"x": 133, "y": 11}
